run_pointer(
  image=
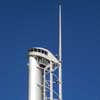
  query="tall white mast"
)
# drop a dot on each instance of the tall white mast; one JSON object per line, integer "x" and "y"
{"x": 60, "y": 51}
{"x": 60, "y": 32}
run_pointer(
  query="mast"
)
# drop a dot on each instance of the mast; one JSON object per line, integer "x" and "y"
{"x": 60, "y": 51}
{"x": 60, "y": 32}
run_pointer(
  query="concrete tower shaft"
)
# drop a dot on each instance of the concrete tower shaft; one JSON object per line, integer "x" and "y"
{"x": 35, "y": 79}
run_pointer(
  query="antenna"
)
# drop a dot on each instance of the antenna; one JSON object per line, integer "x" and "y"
{"x": 60, "y": 32}
{"x": 60, "y": 50}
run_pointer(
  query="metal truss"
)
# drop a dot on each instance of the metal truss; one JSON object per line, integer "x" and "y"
{"x": 50, "y": 82}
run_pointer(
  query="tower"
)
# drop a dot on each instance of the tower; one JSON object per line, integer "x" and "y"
{"x": 45, "y": 72}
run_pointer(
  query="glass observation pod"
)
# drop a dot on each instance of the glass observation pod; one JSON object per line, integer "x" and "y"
{"x": 43, "y": 56}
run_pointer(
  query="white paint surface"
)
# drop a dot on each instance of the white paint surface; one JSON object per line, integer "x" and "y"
{"x": 35, "y": 80}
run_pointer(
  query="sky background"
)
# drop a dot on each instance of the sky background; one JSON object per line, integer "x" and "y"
{"x": 32, "y": 23}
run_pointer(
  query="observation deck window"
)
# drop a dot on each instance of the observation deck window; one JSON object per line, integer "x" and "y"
{"x": 39, "y": 50}
{"x": 45, "y": 53}
{"x": 35, "y": 50}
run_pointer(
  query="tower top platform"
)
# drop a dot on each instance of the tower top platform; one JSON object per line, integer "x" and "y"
{"x": 44, "y": 53}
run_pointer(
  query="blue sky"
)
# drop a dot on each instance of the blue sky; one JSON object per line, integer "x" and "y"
{"x": 32, "y": 23}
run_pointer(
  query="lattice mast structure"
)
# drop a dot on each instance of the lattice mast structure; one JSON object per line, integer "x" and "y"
{"x": 45, "y": 72}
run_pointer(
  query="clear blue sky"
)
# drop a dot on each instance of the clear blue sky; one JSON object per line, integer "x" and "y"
{"x": 30, "y": 23}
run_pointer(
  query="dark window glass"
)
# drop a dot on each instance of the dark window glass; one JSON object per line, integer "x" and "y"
{"x": 45, "y": 52}
{"x": 35, "y": 49}
{"x": 42, "y": 51}
{"x": 39, "y": 50}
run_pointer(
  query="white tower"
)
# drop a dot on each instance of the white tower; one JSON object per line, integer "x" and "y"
{"x": 45, "y": 72}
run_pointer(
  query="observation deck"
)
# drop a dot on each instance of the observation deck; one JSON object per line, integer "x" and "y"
{"x": 43, "y": 56}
